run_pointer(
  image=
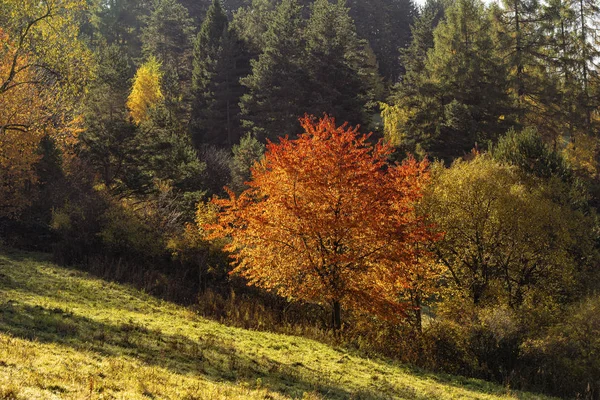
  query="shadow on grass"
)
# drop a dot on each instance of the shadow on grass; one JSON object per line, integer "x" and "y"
{"x": 209, "y": 356}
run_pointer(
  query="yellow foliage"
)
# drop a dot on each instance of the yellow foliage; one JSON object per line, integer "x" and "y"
{"x": 496, "y": 238}
{"x": 393, "y": 119}
{"x": 145, "y": 93}
{"x": 43, "y": 70}
{"x": 19, "y": 133}
{"x": 581, "y": 154}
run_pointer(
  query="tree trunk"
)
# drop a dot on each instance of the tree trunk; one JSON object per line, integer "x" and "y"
{"x": 418, "y": 313}
{"x": 519, "y": 51}
{"x": 336, "y": 316}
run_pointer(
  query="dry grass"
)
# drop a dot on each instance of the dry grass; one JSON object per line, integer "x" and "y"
{"x": 66, "y": 335}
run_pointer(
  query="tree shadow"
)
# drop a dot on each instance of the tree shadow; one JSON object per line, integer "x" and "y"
{"x": 209, "y": 356}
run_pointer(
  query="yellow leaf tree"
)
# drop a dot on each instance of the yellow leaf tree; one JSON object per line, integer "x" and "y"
{"x": 43, "y": 71}
{"x": 146, "y": 93}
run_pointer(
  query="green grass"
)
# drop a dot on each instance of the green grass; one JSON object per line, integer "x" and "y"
{"x": 67, "y": 335}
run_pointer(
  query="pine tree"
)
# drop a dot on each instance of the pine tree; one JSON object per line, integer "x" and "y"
{"x": 406, "y": 118}
{"x": 412, "y": 58}
{"x": 277, "y": 87}
{"x": 167, "y": 36}
{"x": 459, "y": 99}
{"x": 119, "y": 22}
{"x": 208, "y": 50}
{"x": 252, "y": 22}
{"x": 470, "y": 78}
{"x": 385, "y": 24}
{"x": 336, "y": 61}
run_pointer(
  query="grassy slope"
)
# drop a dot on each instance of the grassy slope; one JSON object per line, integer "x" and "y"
{"x": 64, "y": 334}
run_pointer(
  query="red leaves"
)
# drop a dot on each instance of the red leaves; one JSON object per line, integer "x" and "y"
{"x": 327, "y": 219}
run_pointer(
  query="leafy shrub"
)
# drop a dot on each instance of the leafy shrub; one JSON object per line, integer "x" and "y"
{"x": 566, "y": 359}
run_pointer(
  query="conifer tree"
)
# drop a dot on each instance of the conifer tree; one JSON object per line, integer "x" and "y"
{"x": 277, "y": 87}
{"x": 220, "y": 60}
{"x": 167, "y": 37}
{"x": 120, "y": 22}
{"x": 385, "y": 24}
{"x": 207, "y": 51}
{"x": 459, "y": 100}
{"x": 470, "y": 78}
{"x": 336, "y": 62}
{"x": 405, "y": 118}
{"x": 534, "y": 87}
{"x": 315, "y": 65}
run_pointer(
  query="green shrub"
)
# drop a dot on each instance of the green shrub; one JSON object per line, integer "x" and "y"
{"x": 565, "y": 360}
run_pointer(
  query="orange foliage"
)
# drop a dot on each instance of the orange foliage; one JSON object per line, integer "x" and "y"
{"x": 326, "y": 219}
{"x": 20, "y": 132}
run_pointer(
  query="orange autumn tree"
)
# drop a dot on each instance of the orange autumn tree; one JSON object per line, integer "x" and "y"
{"x": 44, "y": 67}
{"x": 19, "y": 134}
{"x": 326, "y": 219}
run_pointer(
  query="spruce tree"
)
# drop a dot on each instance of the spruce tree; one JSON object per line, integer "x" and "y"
{"x": 215, "y": 83}
{"x": 336, "y": 61}
{"x": 278, "y": 92}
{"x": 470, "y": 80}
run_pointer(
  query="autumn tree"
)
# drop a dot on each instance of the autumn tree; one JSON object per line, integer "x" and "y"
{"x": 327, "y": 220}
{"x": 146, "y": 93}
{"x": 506, "y": 238}
{"x": 43, "y": 68}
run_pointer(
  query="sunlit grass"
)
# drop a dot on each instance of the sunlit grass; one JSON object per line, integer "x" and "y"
{"x": 66, "y": 335}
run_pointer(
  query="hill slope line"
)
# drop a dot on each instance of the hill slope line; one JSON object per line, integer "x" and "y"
{"x": 67, "y": 335}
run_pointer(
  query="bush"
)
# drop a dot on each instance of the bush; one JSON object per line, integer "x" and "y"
{"x": 566, "y": 359}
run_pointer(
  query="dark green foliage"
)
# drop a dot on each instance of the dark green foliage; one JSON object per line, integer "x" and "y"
{"x": 277, "y": 93}
{"x": 316, "y": 65}
{"x": 196, "y": 9}
{"x": 471, "y": 80}
{"x": 220, "y": 61}
{"x": 456, "y": 97}
{"x": 208, "y": 45}
{"x": 119, "y": 22}
{"x": 336, "y": 62}
{"x": 527, "y": 151}
{"x": 413, "y": 57}
{"x": 167, "y": 36}
{"x": 386, "y": 26}
{"x": 245, "y": 155}
{"x": 218, "y": 170}
{"x": 169, "y": 154}
{"x": 252, "y": 22}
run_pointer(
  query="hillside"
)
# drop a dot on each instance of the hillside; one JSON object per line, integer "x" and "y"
{"x": 64, "y": 334}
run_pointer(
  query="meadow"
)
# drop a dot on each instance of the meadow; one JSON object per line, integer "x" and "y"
{"x": 67, "y": 335}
